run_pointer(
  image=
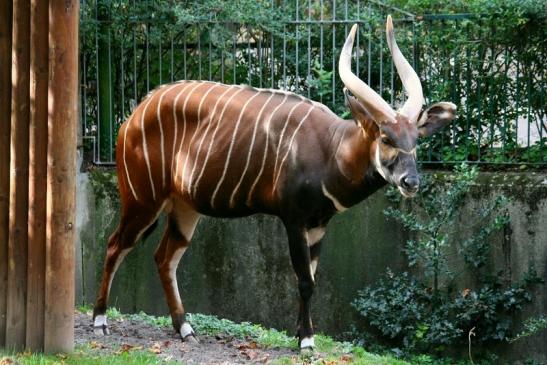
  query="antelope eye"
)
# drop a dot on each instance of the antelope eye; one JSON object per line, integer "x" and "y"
{"x": 387, "y": 141}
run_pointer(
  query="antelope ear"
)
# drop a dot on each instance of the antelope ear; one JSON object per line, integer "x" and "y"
{"x": 435, "y": 117}
{"x": 360, "y": 114}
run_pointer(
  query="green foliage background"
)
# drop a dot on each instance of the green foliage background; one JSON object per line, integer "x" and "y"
{"x": 490, "y": 61}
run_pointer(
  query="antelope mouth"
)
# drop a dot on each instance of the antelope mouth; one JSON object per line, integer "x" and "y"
{"x": 408, "y": 193}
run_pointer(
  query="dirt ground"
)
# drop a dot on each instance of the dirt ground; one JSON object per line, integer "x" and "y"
{"x": 128, "y": 335}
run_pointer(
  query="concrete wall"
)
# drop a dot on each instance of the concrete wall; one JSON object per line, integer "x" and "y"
{"x": 240, "y": 269}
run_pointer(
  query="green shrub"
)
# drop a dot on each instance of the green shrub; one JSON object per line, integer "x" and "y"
{"x": 428, "y": 310}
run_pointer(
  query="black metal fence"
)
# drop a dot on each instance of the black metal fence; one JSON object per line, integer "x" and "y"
{"x": 498, "y": 86}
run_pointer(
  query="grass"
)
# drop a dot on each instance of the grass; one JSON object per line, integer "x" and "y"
{"x": 83, "y": 355}
{"x": 328, "y": 351}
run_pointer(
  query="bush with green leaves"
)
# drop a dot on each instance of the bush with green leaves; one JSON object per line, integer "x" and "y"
{"x": 432, "y": 306}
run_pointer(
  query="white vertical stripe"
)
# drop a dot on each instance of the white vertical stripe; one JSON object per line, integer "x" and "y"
{"x": 258, "y": 118}
{"x": 158, "y": 113}
{"x": 183, "y": 173}
{"x": 289, "y": 148}
{"x": 145, "y": 148}
{"x": 266, "y": 144}
{"x": 232, "y": 142}
{"x": 198, "y": 84}
{"x": 228, "y": 88}
{"x": 211, "y": 122}
{"x": 204, "y": 165}
{"x": 176, "y": 122}
{"x": 283, "y": 134}
{"x": 125, "y": 162}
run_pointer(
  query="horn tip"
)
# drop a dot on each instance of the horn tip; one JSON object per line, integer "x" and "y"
{"x": 389, "y": 24}
{"x": 354, "y": 29}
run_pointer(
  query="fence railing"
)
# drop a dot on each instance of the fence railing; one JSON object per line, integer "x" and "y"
{"x": 498, "y": 87}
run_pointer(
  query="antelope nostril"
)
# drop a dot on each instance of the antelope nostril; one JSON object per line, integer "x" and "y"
{"x": 410, "y": 182}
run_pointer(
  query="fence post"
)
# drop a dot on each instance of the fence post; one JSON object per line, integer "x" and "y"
{"x": 104, "y": 86}
{"x": 37, "y": 174}
{"x": 5, "y": 128}
{"x": 18, "y": 212}
{"x": 61, "y": 175}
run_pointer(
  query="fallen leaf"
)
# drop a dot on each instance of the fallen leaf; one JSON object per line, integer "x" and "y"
{"x": 7, "y": 361}
{"x": 250, "y": 354}
{"x": 346, "y": 358}
{"x": 96, "y": 345}
{"x": 155, "y": 348}
{"x": 125, "y": 347}
{"x": 247, "y": 345}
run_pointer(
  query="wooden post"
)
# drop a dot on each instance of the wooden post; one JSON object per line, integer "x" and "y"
{"x": 5, "y": 127}
{"x": 37, "y": 174}
{"x": 61, "y": 175}
{"x": 18, "y": 219}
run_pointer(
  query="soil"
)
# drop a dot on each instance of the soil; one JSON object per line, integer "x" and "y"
{"x": 129, "y": 335}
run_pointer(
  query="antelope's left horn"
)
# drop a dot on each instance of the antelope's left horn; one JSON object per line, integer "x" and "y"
{"x": 411, "y": 82}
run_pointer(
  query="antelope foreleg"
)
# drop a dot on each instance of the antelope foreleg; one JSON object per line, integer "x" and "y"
{"x": 302, "y": 265}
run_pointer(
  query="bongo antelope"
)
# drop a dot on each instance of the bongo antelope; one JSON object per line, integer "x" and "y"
{"x": 196, "y": 148}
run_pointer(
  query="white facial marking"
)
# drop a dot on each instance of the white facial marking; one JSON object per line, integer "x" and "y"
{"x": 307, "y": 342}
{"x": 339, "y": 207}
{"x": 289, "y": 147}
{"x": 258, "y": 118}
{"x": 314, "y": 235}
{"x": 229, "y": 155}
{"x": 264, "y": 155}
{"x": 405, "y": 194}
{"x": 411, "y": 152}
{"x": 378, "y": 163}
{"x": 186, "y": 330}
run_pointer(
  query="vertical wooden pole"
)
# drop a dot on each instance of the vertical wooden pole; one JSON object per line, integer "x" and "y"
{"x": 37, "y": 174}
{"x": 5, "y": 127}
{"x": 18, "y": 220}
{"x": 61, "y": 175}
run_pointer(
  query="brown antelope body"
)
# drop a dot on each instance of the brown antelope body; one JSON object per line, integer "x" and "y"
{"x": 203, "y": 148}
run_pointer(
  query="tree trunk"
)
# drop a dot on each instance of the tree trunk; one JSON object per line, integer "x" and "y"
{"x": 37, "y": 175}
{"x": 61, "y": 175}
{"x": 18, "y": 212}
{"x": 5, "y": 128}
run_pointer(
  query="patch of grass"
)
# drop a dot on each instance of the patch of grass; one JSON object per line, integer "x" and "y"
{"x": 212, "y": 326}
{"x": 160, "y": 321}
{"x": 84, "y": 356}
{"x": 85, "y": 308}
{"x": 328, "y": 351}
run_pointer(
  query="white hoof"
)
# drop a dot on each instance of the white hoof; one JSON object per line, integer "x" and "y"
{"x": 307, "y": 343}
{"x": 187, "y": 333}
{"x": 100, "y": 327}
